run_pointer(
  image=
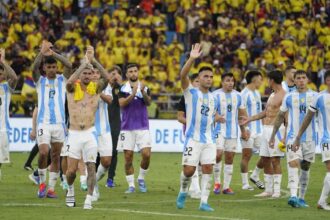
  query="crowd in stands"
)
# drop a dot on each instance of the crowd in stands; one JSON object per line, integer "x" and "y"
{"x": 236, "y": 35}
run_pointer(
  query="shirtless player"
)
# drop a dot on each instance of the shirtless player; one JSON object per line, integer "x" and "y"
{"x": 269, "y": 156}
{"x": 83, "y": 96}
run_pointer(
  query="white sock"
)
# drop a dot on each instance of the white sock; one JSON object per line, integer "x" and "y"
{"x": 325, "y": 190}
{"x": 228, "y": 173}
{"x": 268, "y": 183}
{"x": 65, "y": 180}
{"x": 206, "y": 184}
{"x": 245, "y": 180}
{"x": 142, "y": 174}
{"x": 293, "y": 181}
{"x": 83, "y": 179}
{"x": 89, "y": 198}
{"x": 217, "y": 172}
{"x": 130, "y": 180}
{"x": 277, "y": 183}
{"x": 42, "y": 175}
{"x": 184, "y": 183}
{"x": 304, "y": 179}
{"x": 194, "y": 186}
{"x": 255, "y": 173}
{"x": 100, "y": 172}
{"x": 52, "y": 180}
{"x": 70, "y": 190}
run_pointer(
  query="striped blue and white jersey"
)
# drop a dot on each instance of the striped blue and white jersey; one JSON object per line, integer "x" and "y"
{"x": 297, "y": 104}
{"x": 51, "y": 100}
{"x": 228, "y": 106}
{"x": 286, "y": 87}
{"x": 321, "y": 104}
{"x": 252, "y": 102}
{"x": 5, "y": 94}
{"x": 200, "y": 113}
{"x": 102, "y": 124}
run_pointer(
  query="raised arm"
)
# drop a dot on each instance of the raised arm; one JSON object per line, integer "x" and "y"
{"x": 104, "y": 80}
{"x": 66, "y": 63}
{"x": 35, "y": 67}
{"x": 75, "y": 76}
{"x": 194, "y": 54}
{"x": 10, "y": 73}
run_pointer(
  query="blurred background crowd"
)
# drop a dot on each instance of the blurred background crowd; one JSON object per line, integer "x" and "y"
{"x": 236, "y": 35}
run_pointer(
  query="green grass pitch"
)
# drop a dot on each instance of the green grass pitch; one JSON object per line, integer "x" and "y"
{"x": 18, "y": 196}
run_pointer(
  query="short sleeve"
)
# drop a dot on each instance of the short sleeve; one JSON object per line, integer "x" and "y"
{"x": 315, "y": 105}
{"x": 241, "y": 104}
{"x": 108, "y": 91}
{"x": 284, "y": 106}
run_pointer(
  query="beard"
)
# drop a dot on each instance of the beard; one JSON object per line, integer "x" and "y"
{"x": 133, "y": 79}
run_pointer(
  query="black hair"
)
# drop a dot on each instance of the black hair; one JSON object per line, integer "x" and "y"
{"x": 223, "y": 76}
{"x": 131, "y": 65}
{"x": 205, "y": 68}
{"x": 49, "y": 60}
{"x": 193, "y": 76}
{"x": 300, "y": 72}
{"x": 251, "y": 74}
{"x": 276, "y": 75}
{"x": 326, "y": 74}
{"x": 1, "y": 68}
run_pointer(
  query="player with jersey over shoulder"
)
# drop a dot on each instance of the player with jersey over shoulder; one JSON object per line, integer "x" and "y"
{"x": 321, "y": 105}
{"x": 51, "y": 114}
{"x": 199, "y": 146}
{"x": 8, "y": 80}
{"x": 288, "y": 84}
{"x": 296, "y": 104}
{"x": 102, "y": 126}
{"x": 229, "y": 104}
{"x": 134, "y": 97}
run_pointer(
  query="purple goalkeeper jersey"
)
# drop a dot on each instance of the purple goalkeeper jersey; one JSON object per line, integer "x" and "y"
{"x": 135, "y": 114}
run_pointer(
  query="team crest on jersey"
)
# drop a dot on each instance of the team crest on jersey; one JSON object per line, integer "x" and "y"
{"x": 302, "y": 100}
{"x": 2, "y": 92}
{"x": 50, "y": 86}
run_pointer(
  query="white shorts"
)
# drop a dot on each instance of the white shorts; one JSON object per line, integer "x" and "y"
{"x": 83, "y": 144}
{"x": 4, "y": 147}
{"x": 253, "y": 142}
{"x": 229, "y": 145}
{"x": 196, "y": 152}
{"x": 306, "y": 151}
{"x": 265, "y": 150}
{"x": 104, "y": 146}
{"x": 48, "y": 133}
{"x": 325, "y": 149}
{"x": 128, "y": 139}
{"x": 64, "y": 151}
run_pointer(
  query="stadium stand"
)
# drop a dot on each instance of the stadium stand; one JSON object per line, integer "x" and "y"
{"x": 236, "y": 35}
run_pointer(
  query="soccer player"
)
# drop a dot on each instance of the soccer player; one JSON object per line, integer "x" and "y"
{"x": 229, "y": 104}
{"x": 251, "y": 99}
{"x": 134, "y": 97}
{"x": 194, "y": 188}
{"x": 103, "y": 130}
{"x": 199, "y": 145}
{"x": 83, "y": 97}
{"x": 114, "y": 120}
{"x": 271, "y": 156}
{"x": 51, "y": 119}
{"x": 288, "y": 84}
{"x": 8, "y": 80}
{"x": 296, "y": 104}
{"x": 321, "y": 104}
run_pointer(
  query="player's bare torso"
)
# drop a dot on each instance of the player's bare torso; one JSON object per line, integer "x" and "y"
{"x": 273, "y": 107}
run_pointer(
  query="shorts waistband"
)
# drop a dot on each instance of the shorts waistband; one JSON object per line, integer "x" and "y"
{"x": 89, "y": 130}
